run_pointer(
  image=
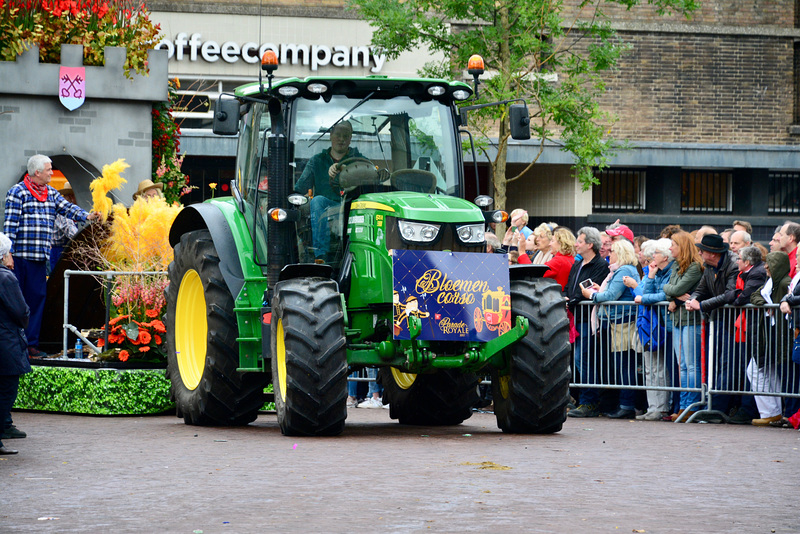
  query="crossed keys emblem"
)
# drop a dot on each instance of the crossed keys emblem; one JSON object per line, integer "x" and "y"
{"x": 75, "y": 85}
{"x": 72, "y": 87}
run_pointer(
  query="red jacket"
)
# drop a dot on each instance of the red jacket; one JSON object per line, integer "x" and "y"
{"x": 560, "y": 266}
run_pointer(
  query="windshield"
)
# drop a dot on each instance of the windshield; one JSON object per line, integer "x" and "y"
{"x": 411, "y": 144}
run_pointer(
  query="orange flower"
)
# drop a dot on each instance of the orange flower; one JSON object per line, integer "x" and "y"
{"x": 158, "y": 326}
{"x": 101, "y": 342}
{"x": 115, "y": 320}
{"x": 124, "y": 355}
{"x": 115, "y": 338}
{"x": 144, "y": 337}
{"x": 151, "y": 313}
{"x": 157, "y": 338}
{"x": 144, "y": 348}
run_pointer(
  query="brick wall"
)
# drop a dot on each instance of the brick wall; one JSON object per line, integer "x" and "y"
{"x": 704, "y": 89}
{"x": 745, "y": 13}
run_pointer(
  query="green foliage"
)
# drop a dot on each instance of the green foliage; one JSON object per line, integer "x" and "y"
{"x": 167, "y": 159}
{"x": 533, "y": 51}
{"x": 95, "y": 391}
{"x": 94, "y": 24}
{"x": 268, "y": 406}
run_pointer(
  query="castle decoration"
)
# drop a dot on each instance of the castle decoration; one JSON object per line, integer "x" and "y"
{"x": 88, "y": 115}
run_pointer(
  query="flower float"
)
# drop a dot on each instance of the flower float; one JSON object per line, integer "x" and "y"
{"x": 136, "y": 240}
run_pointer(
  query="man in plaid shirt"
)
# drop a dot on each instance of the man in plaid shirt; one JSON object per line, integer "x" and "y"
{"x": 31, "y": 209}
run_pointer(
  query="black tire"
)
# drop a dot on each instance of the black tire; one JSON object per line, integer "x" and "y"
{"x": 531, "y": 397}
{"x": 202, "y": 352}
{"x": 309, "y": 357}
{"x": 442, "y": 398}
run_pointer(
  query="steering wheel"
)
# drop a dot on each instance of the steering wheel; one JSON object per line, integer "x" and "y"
{"x": 354, "y": 172}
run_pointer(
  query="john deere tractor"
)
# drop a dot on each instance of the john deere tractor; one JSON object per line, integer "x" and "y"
{"x": 392, "y": 273}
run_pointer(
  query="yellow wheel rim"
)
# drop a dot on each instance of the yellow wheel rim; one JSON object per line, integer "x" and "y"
{"x": 191, "y": 329}
{"x": 404, "y": 380}
{"x": 505, "y": 384}
{"x": 281, "y": 360}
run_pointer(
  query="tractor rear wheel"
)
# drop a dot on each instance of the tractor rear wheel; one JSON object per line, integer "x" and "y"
{"x": 531, "y": 395}
{"x": 309, "y": 362}
{"x": 442, "y": 398}
{"x": 203, "y": 354}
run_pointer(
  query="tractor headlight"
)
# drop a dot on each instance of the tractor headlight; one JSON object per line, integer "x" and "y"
{"x": 471, "y": 233}
{"x": 418, "y": 232}
{"x": 288, "y": 90}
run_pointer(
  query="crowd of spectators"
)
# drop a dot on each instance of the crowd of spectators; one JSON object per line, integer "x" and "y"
{"x": 661, "y": 292}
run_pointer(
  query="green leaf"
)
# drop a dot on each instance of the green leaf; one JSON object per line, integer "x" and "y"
{"x": 132, "y": 331}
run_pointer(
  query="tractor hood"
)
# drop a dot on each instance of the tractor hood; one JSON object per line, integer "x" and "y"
{"x": 422, "y": 207}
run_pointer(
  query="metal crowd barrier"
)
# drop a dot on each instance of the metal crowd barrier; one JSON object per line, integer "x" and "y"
{"x": 739, "y": 350}
{"x": 108, "y": 278}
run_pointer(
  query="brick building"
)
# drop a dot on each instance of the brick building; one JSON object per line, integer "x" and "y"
{"x": 709, "y": 107}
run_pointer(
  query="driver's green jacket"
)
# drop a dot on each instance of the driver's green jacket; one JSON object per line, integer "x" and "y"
{"x": 315, "y": 175}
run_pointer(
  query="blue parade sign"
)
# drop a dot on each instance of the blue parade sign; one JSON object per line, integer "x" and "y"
{"x": 456, "y": 295}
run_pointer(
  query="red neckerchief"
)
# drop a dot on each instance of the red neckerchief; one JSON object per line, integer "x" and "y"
{"x": 39, "y": 192}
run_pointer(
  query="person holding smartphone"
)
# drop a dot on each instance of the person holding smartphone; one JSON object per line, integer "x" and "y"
{"x": 590, "y": 270}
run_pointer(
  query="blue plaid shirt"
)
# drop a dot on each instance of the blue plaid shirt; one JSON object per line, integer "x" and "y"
{"x": 29, "y": 223}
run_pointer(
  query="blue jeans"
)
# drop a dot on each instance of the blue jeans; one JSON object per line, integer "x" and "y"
{"x": 320, "y": 225}
{"x": 374, "y": 387}
{"x": 32, "y": 276}
{"x": 352, "y": 386}
{"x": 586, "y": 366}
{"x": 626, "y": 375}
{"x": 686, "y": 347}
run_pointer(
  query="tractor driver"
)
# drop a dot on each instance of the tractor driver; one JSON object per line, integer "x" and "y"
{"x": 320, "y": 174}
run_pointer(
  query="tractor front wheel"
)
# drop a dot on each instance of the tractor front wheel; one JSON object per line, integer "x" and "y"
{"x": 309, "y": 357}
{"x": 203, "y": 354}
{"x": 530, "y": 396}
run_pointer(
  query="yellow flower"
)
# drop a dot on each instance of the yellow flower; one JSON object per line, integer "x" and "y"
{"x": 139, "y": 238}
{"x": 213, "y": 185}
{"x": 111, "y": 179}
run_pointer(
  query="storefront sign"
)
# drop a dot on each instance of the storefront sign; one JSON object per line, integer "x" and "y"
{"x": 456, "y": 295}
{"x": 192, "y": 48}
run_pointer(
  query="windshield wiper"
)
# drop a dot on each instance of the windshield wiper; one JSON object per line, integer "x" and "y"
{"x": 340, "y": 119}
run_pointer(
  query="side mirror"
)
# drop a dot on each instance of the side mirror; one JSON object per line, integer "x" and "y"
{"x": 520, "y": 121}
{"x": 226, "y": 116}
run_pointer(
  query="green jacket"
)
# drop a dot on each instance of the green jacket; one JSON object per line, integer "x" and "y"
{"x": 678, "y": 285}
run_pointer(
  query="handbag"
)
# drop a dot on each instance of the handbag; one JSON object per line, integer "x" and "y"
{"x": 624, "y": 337}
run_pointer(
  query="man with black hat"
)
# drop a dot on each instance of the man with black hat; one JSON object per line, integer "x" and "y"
{"x": 717, "y": 287}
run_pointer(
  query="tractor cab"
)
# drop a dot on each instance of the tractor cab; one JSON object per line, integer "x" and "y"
{"x": 342, "y": 139}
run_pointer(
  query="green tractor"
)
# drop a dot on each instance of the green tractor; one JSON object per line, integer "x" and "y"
{"x": 329, "y": 258}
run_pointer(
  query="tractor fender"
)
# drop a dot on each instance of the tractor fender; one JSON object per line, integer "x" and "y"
{"x": 305, "y": 270}
{"x": 526, "y": 271}
{"x": 210, "y": 217}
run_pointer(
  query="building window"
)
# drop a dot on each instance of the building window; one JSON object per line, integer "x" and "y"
{"x": 784, "y": 193}
{"x": 706, "y": 191}
{"x": 619, "y": 190}
{"x": 195, "y": 106}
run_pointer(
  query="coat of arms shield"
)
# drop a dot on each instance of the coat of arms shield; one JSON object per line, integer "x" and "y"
{"x": 72, "y": 87}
